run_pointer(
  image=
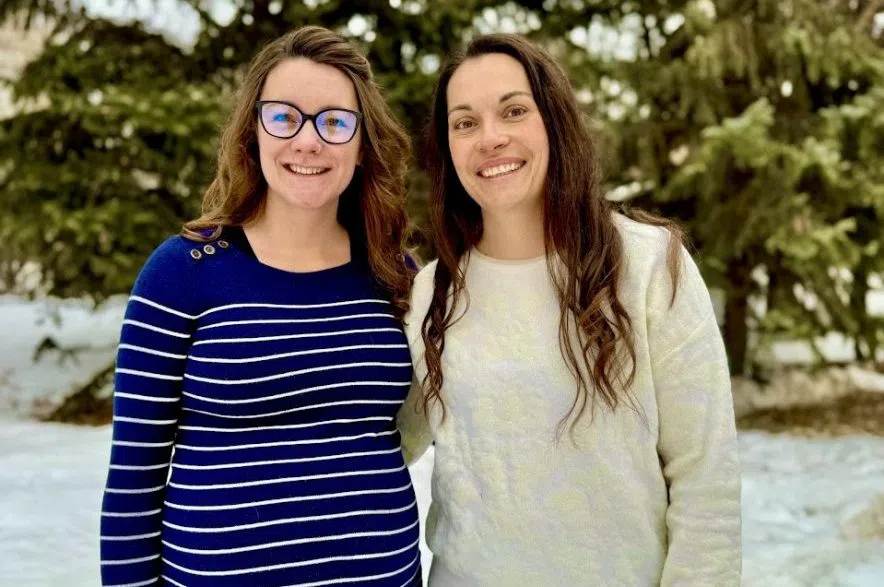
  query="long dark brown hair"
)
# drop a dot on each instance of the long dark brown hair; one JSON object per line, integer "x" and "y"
{"x": 579, "y": 230}
{"x": 372, "y": 208}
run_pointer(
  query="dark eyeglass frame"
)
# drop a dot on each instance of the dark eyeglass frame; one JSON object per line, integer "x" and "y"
{"x": 259, "y": 105}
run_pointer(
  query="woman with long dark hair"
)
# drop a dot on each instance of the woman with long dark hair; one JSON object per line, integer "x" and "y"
{"x": 572, "y": 374}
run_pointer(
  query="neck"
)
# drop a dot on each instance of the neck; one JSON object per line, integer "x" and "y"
{"x": 295, "y": 239}
{"x": 513, "y": 236}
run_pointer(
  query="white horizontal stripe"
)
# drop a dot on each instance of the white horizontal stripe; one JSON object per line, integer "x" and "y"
{"x": 139, "y": 584}
{"x": 143, "y": 421}
{"x": 241, "y": 464}
{"x": 294, "y": 336}
{"x": 142, "y": 349}
{"x": 413, "y": 575}
{"x": 277, "y": 480}
{"x": 291, "y": 542}
{"x": 156, "y": 328}
{"x": 292, "y": 306}
{"x": 288, "y": 426}
{"x": 141, "y": 444}
{"x": 128, "y": 538}
{"x": 293, "y": 320}
{"x": 130, "y": 514}
{"x": 146, "y": 398}
{"x": 251, "y": 504}
{"x": 303, "y": 563}
{"x": 264, "y": 398}
{"x": 129, "y": 561}
{"x": 153, "y": 304}
{"x": 285, "y": 461}
{"x": 150, "y": 375}
{"x": 354, "y": 402}
{"x": 176, "y": 583}
{"x": 134, "y": 491}
{"x": 139, "y": 467}
{"x": 284, "y": 442}
{"x": 362, "y": 579}
{"x": 298, "y": 353}
{"x": 292, "y": 373}
{"x": 289, "y": 520}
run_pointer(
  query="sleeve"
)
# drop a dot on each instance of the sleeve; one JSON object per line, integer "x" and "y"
{"x": 413, "y": 425}
{"x": 154, "y": 342}
{"x": 697, "y": 440}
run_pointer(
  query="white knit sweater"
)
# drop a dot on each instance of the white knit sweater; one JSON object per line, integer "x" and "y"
{"x": 635, "y": 498}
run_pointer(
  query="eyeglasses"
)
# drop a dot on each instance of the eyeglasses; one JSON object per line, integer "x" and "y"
{"x": 282, "y": 120}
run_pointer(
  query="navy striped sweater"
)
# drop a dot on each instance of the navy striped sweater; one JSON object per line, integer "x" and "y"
{"x": 254, "y": 437}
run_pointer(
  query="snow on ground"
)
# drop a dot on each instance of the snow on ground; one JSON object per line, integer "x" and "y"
{"x": 27, "y": 386}
{"x": 797, "y": 493}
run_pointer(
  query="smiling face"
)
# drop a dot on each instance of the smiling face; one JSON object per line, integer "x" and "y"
{"x": 496, "y": 135}
{"x": 304, "y": 171}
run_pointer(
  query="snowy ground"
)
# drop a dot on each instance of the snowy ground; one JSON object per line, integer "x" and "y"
{"x": 799, "y": 495}
{"x": 28, "y": 386}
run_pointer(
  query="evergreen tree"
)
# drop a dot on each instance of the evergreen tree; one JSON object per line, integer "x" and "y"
{"x": 758, "y": 124}
{"x": 104, "y": 158}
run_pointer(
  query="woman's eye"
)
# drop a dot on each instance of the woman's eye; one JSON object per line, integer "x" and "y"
{"x": 463, "y": 124}
{"x": 517, "y": 111}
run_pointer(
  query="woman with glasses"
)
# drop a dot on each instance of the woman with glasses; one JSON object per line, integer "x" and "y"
{"x": 574, "y": 379}
{"x": 262, "y": 360}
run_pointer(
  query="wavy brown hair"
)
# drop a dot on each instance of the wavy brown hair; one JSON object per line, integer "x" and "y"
{"x": 579, "y": 231}
{"x": 372, "y": 207}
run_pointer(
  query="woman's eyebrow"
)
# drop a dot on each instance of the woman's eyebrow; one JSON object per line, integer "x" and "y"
{"x": 503, "y": 98}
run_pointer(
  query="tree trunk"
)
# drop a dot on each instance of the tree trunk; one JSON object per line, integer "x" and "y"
{"x": 864, "y": 341}
{"x": 736, "y": 332}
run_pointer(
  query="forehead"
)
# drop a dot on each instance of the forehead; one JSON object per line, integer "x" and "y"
{"x": 309, "y": 85}
{"x": 483, "y": 80}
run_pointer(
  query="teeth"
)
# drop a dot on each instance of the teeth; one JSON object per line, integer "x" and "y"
{"x": 500, "y": 169}
{"x": 305, "y": 170}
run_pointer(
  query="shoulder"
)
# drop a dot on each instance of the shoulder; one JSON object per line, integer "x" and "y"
{"x": 648, "y": 268}
{"x": 173, "y": 255}
{"x": 642, "y": 239}
{"x": 173, "y": 269}
{"x": 179, "y": 252}
{"x": 646, "y": 246}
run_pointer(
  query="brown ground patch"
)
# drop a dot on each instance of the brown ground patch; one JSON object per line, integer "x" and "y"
{"x": 857, "y": 413}
{"x": 88, "y": 406}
